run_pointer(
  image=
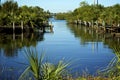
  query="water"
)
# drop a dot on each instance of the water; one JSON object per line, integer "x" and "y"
{"x": 86, "y": 49}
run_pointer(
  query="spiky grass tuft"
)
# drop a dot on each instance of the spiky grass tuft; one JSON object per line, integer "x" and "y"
{"x": 43, "y": 71}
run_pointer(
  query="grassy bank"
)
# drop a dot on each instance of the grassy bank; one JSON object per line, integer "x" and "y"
{"x": 42, "y": 70}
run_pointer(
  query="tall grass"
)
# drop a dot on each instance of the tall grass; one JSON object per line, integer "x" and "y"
{"x": 43, "y": 70}
{"x": 113, "y": 69}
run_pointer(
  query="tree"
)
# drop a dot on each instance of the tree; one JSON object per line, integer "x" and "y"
{"x": 83, "y": 3}
{"x": 32, "y": 16}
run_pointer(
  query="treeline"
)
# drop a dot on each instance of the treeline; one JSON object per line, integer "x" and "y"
{"x": 61, "y": 16}
{"x": 110, "y": 15}
{"x": 30, "y": 16}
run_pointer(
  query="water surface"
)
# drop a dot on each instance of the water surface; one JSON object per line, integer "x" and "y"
{"x": 86, "y": 49}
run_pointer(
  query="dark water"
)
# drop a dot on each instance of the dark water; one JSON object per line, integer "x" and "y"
{"x": 86, "y": 49}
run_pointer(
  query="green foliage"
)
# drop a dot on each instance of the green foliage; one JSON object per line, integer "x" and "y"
{"x": 81, "y": 78}
{"x": 91, "y": 13}
{"x": 83, "y": 3}
{"x": 87, "y": 12}
{"x": 113, "y": 69}
{"x": 31, "y": 16}
{"x": 43, "y": 71}
{"x": 34, "y": 64}
{"x": 54, "y": 72}
{"x": 9, "y": 6}
{"x": 61, "y": 16}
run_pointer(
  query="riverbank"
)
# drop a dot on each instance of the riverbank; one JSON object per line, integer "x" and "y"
{"x": 84, "y": 47}
{"x": 102, "y": 19}
{"x": 14, "y": 18}
{"x": 21, "y": 29}
{"x": 47, "y": 70}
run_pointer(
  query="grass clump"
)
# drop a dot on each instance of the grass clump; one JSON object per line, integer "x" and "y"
{"x": 41, "y": 70}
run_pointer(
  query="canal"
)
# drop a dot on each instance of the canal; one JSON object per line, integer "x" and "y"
{"x": 87, "y": 50}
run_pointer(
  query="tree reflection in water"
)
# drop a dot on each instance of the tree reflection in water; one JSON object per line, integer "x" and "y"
{"x": 10, "y": 43}
{"x": 86, "y": 34}
{"x": 113, "y": 68}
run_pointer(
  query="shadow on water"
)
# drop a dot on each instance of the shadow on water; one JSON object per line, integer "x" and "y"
{"x": 86, "y": 34}
{"x": 10, "y": 47}
{"x": 10, "y": 43}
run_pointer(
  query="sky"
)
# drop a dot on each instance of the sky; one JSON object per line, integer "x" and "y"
{"x": 62, "y": 5}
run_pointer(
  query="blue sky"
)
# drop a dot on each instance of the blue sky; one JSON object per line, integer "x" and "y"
{"x": 62, "y": 5}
